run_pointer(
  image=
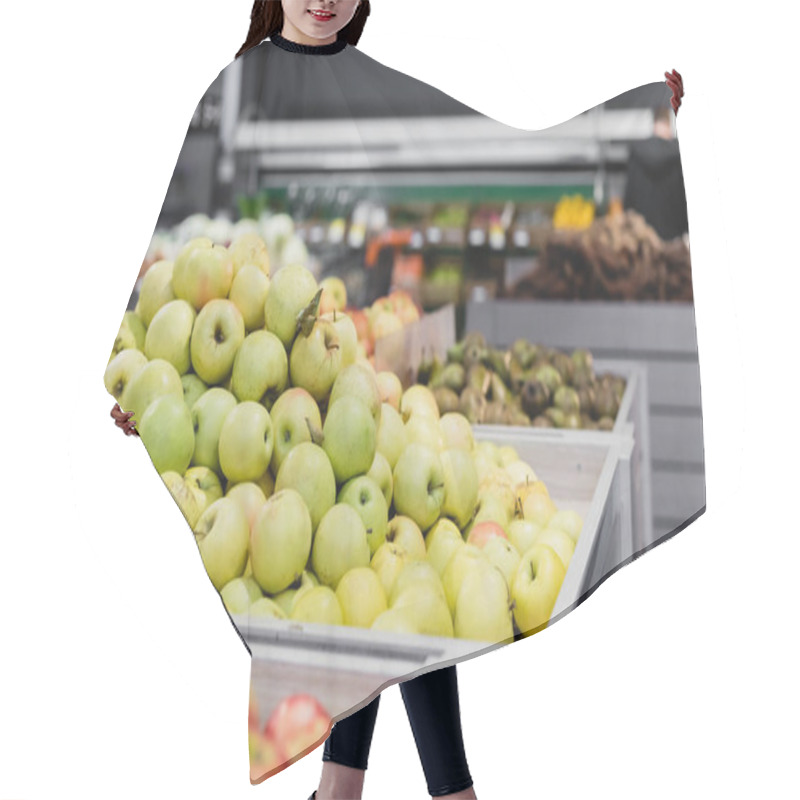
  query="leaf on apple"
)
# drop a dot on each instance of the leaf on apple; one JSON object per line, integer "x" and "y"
{"x": 308, "y": 316}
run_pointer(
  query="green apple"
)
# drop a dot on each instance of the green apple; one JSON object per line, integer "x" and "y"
{"x": 291, "y": 289}
{"x": 245, "y": 442}
{"x": 488, "y": 450}
{"x": 205, "y": 483}
{"x": 348, "y": 336}
{"x": 248, "y": 293}
{"x": 520, "y": 472}
{"x": 266, "y": 607}
{"x": 121, "y": 370}
{"x": 356, "y": 380}
{"x": 539, "y": 508}
{"x": 266, "y": 483}
{"x": 155, "y": 291}
{"x": 441, "y": 541}
{"x": 560, "y": 541}
{"x": 381, "y": 473}
{"x": 320, "y": 605}
{"x": 170, "y": 333}
{"x": 535, "y": 587}
{"x": 316, "y": 360}
{"x": 392, "y": 439}
{"x": 249, "y": 249}
{"x": 361, "y": 597}
{"x": 387, "y": 563}
{"x": 292, "y": 414}
{"x": 280, "y": 541}
{"x": 394, "y": 620}
{"x": 307, "y": 469}
{"x": 167, "y": 433}
{"x": 460, "y": 486}
{"x": 217, "y": 335}
{"x": 418, "y": 399}
{"x": 296, "y": 589}
{"x": 502, "y": 493}
{"x": 131, "y": 334}
{"x": 250, "y": 498}
{"x": 334, "y": 294}
{"x": 508, "y": 454}
{"x": 155, "y": 379}
{"x": 522, "y": 534}
{"x": 340, "y": 544}
{"x": 491, "y": 508}
{"x": 425, "y": 430}
{"x": 462, "y": 560}
{"x": 260, "y": 368}
{"x": 499, "y": 552}
{"x": 368, "y": 500}
{"x": 189, "y": 502}
{"x": 483, "y": 606}
{"x": 484, "y": 466}
{"x": 415, "y": 573}
{"x": 568, "y": 521}
{"x": 419, "y": 485}
{"x": 239, "y": 594}
{"x": 221, "y": 536}
{"x": 457, "y": 431}
{"x": 349, "y": 438}
{"x": 203, "y": 271}
{"x": 426, "y": 609}
{"x": 404, "y": 533}
{"x": 389, "y": 388}
{"x": 208, "y": 413}
{"x": 193, "y": 389}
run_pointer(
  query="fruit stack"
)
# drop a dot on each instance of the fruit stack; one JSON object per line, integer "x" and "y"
{"x": 385, "y": 316}
{"x": 317, "y": 489}
{"x": 527, "y": 384}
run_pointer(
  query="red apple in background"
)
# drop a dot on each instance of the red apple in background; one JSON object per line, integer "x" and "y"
{"x": 265, "y": 755}
{"x": 404, "y": 306}
{"x": 362, "y": 328}
{"x": 298, "y": 722}
{"x": 483, "y": 532}
{"x": 384, "y": 323}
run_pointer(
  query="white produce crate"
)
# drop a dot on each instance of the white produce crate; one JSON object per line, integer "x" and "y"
{"x": 587, "y": 472}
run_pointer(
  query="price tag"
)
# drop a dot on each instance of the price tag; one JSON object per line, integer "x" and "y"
{"x": 434, "y": 235}
{"x": 477, "y": 237}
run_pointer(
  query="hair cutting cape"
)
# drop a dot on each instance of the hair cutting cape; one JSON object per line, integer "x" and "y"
{"x": 492, "y": 404}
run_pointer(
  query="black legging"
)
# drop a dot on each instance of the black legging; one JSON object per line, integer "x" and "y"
{"x": 432, "y": 706}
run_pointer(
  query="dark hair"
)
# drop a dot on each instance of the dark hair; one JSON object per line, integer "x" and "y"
{"x": 266, "y": 19}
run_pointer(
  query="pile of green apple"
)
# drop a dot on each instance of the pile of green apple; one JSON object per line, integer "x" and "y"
{"x": 317, "y": 489}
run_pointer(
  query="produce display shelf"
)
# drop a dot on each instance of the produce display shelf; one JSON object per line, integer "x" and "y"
{"x": 584, "y": 471}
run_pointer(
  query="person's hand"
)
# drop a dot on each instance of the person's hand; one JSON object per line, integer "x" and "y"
{"x": 122, "y": 419}
{"x": 675, "y": 83}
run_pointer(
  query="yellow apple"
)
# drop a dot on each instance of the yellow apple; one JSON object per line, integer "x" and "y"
{"x": 388, "y": 563}
{"x": 463, "y": 559}
{"x": 538, "y": 508}
{"x": 568, "y": 521}
{"x": 535, "y": 587}
{"x": 560, "y": 541}
{"x": 441, "y": 541}
{"x": 318, "y": 604}
{"x": 406, "y": 534}
{"x": 361, "y": 597}
{"x": 426, "y": 609}
{"x": 483, "y": 606}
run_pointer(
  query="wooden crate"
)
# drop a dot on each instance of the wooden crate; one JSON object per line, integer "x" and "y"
{"x": 347, "y": 667}
{"x": 660, "y": 336}
{"x": 587, "y": 472}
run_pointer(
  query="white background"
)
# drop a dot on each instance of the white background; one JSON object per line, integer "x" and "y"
{"x": 120, "y": 674}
